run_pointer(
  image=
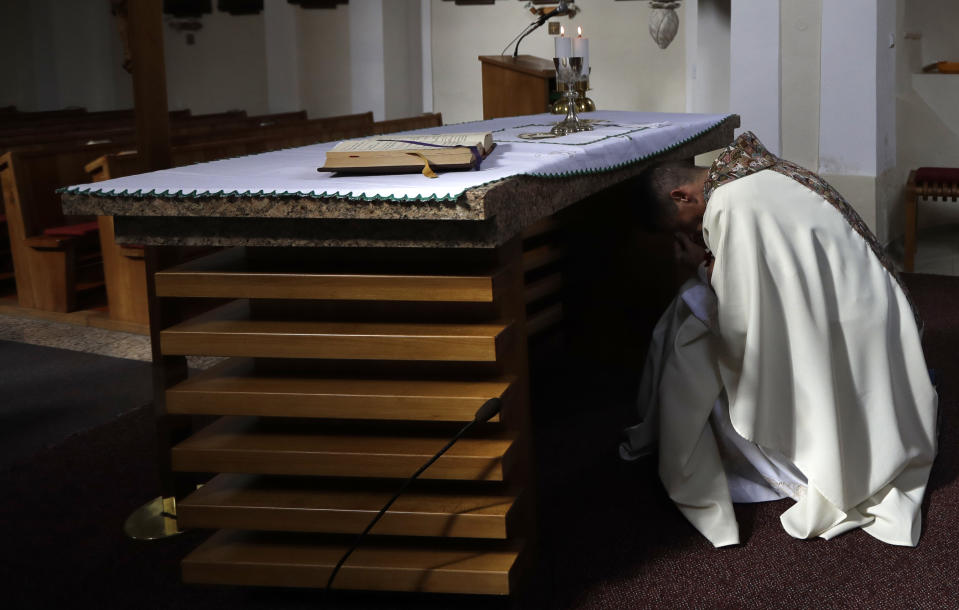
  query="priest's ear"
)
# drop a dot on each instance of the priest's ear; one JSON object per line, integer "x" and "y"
{"x": 683, "y": 194}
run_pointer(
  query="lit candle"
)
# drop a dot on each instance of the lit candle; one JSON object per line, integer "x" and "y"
{"x": 581, "y": 49}
{"x": 563, "y": 44}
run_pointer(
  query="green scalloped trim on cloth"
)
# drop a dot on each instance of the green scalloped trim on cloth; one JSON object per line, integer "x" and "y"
{"x": 152, "y": 194}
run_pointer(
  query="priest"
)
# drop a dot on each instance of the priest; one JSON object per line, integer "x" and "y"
{"x": 791, "y": 365}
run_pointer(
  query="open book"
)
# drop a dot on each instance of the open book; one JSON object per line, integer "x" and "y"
{"x": 409, "y": 152}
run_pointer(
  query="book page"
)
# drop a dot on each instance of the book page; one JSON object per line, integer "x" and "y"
{"x": 401, "y": 141}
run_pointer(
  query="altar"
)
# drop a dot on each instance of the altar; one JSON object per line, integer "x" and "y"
{"x": 361, "y": 321}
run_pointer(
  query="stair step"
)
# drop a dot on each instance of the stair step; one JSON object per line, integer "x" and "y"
{"x": 228, "y": 331}
{"x": 301, "y": 447}
{"x": 306, "y": 504}
{"x": 233, "y": 387}
{"x": 303, "y": 560}
{"x": 226, "y": 275}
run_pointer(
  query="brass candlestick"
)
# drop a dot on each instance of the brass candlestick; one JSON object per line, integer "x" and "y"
{"x": 583, "y": 103}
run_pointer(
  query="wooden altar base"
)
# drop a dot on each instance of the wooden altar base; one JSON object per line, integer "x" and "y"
{"x": 346, "y": 370}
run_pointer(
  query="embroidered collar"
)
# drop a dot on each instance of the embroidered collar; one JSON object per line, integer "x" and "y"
{"x": 746, "y": 155}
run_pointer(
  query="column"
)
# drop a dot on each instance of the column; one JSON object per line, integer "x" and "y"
{"x": 282, "y": 57}
{"x": 367, "y": 67}
{"x": 754, "y": 80}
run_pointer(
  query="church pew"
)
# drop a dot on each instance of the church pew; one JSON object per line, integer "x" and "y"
{"x": 6, "y": 261}
{"x": 408, "y": 123}
{"x": 124, "y": 267}
{"x": 41, "y": 115}
{"x": 85, "y": 121}
{"x": 55, "y": 259}
{"x": 182, "y": 130}
{"x": 302, "y": 133}
{"x": 46, "y": 266}
{"x": 122, "y": 130}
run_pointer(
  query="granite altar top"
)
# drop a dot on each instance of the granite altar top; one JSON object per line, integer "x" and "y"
{"x": 503, "y": 205}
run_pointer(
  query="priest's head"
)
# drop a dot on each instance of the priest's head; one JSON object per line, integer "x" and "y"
{"x": 671, "y": 198}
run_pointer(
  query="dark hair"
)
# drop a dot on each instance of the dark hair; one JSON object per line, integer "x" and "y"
{"x": 654, "y": 208}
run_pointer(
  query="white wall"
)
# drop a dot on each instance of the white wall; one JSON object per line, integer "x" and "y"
{"x": 367, "y": 90}
{"x": 402, "y": 58}
{"x": 324, "y": 50}
{"x": 924, "y": 134}
{"x": 706, "y": 25}
{"x": 224, "y": 69}
{"x": 800, "y": 61}
{"x": 629, "y": 71}
{"x": 282, "y": 48}
{"x": 847, "y": 139}
{"x": 60, "y": 53}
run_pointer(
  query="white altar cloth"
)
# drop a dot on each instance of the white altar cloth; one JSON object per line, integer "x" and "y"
{"x": 619, "y": 139}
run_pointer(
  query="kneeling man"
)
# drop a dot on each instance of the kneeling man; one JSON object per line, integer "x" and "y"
{"x": 791, "y": 366}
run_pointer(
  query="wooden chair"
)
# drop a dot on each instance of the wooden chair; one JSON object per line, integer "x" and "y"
{"x": 931, "y": 183}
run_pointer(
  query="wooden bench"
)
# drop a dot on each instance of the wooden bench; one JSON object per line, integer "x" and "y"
{"x": 14, "y": 115}
{"x": 124, "y": 266}
{"x": 408, "y": 123}
{"x": 117, "y": 130}
{"x": 55, "y": 259}
{"x": 7, "y": 285}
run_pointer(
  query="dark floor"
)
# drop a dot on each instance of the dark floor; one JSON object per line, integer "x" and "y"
{"x": 49, "y": 394}
{"x": 611, "y": 539}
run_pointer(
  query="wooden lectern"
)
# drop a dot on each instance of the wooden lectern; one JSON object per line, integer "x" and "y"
{"x": 513, "y": 86}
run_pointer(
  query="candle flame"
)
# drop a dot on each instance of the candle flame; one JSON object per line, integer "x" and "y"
{"x": 579, "y": 30}
{"x": 562, "y": 30}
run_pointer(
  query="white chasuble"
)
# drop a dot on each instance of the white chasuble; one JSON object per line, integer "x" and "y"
{"x": 820, "y": 357}
{"x": 814, "y": 350}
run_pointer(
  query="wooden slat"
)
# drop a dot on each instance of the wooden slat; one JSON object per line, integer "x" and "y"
{"x": 546, "y": 225}
{"x": 305, "y": 504}
{"x": 223, "y": 276}
{"x": 543, "y": 319}
{"x": 226, "y": 331}
{"x": 298, "y": 560}
{"x": 543, "y": 287}
{"x": 250, "y": 445}
{"x": 233, "y": 388}
{"x": 541, "y": 256}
